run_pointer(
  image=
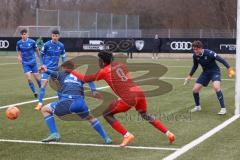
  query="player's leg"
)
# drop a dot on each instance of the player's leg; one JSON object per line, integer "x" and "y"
{"x": 156, "y": 55}
{"x": 47, "y": 112}
{"x": 115, "y": 107}
{"x": 80, "y": 107}
{"x": 27, "y": 71}
{"x": 95, "y": 123}
{"x": 217, "y": 89}
{"x": 36, "y": 74}
{"x": 44, "y": 81}
{"x": 196, "y": 89}
{"x": 30, "y": 83}
{"x": 141, "y": 107}
{"x": 203, "y": 80}
{"x": 153, "y": 54}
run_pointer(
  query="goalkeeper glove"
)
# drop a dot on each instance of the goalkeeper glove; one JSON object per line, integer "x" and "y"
{"x": 231, "y": 72}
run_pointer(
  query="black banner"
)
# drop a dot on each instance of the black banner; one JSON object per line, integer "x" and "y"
{"x": 172, "y": 45}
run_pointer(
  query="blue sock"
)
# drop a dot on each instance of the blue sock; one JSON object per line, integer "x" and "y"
{"x": 220, "y": 98}
{"x": 196, "y": 99}
{"x": 31, "y": 85}
{"x": 98, "y": 127}
{"x": 49, "y": 120}
{"x": 39, "y": 83}
{"x": 41, "y": 95}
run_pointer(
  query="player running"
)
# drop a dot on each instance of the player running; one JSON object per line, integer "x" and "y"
{"x": 211, "y": 72}
{"x": 50, "y": 54}
{"x": 26, "y": 49}
{"x": 71, "y": 100}
{"x": 130, "y": 95}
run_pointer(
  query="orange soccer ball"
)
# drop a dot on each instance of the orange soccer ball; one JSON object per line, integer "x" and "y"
{"x": 12, "y": 113}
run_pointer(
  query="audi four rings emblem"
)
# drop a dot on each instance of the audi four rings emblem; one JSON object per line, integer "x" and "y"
{"x": 179, "y": 45}
{"x": 4, "y": 44}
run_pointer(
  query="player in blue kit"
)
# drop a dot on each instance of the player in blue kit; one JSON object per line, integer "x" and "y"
{"x": 49, "y": 56}
{"x": 211, "y": 72}
{"x": 71, "y": 100}
{"x": 26, "y": 49}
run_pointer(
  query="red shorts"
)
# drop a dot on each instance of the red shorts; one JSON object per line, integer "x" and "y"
{"x": 119, "y": 105}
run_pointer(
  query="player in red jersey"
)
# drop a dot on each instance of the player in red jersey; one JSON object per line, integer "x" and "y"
{"x": 129, "y": 93}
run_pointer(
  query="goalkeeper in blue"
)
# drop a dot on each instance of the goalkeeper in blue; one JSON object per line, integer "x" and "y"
{"x": 211, "y": 72}
{"x": 49, "y": 57}
{"x": 26, "y": 49}
{"x": 71, "y": 101}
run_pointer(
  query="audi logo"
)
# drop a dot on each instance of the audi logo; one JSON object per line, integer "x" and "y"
{"x": 178, "y": 45}
{"x": 4, "y": 44}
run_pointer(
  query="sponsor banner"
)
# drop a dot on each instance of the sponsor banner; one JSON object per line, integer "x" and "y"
{"x": 172, "y": 45}
{"x": 4, "y": 44}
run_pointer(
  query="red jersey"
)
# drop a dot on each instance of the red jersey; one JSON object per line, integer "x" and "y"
{"x": 118, "y": 78}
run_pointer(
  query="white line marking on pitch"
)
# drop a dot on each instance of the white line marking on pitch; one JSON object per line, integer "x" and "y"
{"x": 201, "y": 139}
{"x": 175, "y": 78}
{"x": 33, "y": 101}
{"x": 3, "y": 64}
{"x": 87, "y": 145}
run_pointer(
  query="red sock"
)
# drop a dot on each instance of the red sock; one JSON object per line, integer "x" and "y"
{"x": 157, "y": 124}
{"x": 118, "y": 127}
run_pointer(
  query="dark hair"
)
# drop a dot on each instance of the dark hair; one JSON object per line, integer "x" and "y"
{"x": 55, "y": 31}
{"x": 197, "y": 44}
{"x": 23, "y": 31}
{"x": 68, "y": 65}
{"x": 106, "y": 56}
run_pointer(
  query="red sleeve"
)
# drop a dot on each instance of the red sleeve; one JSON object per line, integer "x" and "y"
{"x": 100, "y": 74}
{"x": 85, "y": 78}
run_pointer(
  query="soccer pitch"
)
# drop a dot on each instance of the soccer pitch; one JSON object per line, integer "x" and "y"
{"x": 80, "y": 141}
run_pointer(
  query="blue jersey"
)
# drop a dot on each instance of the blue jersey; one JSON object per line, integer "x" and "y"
{"x": 70, "y": 85}
{"x": 208, "y": 62}
{"x": 51, "y": 53}
{"x": 27, "y": 49}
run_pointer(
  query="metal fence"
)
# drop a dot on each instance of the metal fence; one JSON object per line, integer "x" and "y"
{"x": 104, "y": 25}
{"x": 83, "y": 24}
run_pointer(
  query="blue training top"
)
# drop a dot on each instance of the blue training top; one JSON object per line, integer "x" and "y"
{"x": 70, "y": 86}
{"x": 27, "y": 49}
{"x": 51, "y": 53}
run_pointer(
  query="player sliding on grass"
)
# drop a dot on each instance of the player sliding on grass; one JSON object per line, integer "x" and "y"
{"x": 26, "y": 48}
{"x": 71, "y": 100}
{"x": 211, "y": 72}
{"x": 130, "y": 95}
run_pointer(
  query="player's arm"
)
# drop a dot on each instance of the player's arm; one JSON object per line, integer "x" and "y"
{"x": 92, "y": 86}
{"x": 38, "y": 52}
{"x": 36, "y": 49}
{"x": 19, "y": 54}
{"x": 231, "y": 71}
{"x": 54, "y": 74}
{"x": 94, "y": 92}
{"x": 42, "y": 53}
{"x": 63, "y": 54}
{"x": 193, "y": 70}
{"x": 84, "y": 78}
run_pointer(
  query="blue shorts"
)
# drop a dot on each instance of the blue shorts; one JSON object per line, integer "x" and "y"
{"x": 70, "y": 106}
{"x": 208, "y": 76}
{"x": 32, "y": 68}
{"x": 44, "y": 76}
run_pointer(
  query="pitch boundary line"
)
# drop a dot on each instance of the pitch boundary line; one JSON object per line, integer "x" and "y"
{"x": 86, "y": 145}
{"x": 202, "y": 138}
